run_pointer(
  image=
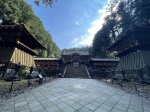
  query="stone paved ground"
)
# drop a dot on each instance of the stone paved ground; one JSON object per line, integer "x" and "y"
{"x": 76, "y": 95}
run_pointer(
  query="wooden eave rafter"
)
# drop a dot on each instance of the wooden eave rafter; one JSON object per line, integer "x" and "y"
{"x": 36, "y": 42}
{"x": 23, "y": 35}
{"x": 26, "y": 47}
{"x": 129, "y": 33}
{"x": 142, "y": 46}
{"x": 19, "y": 45}
{"x": 121, "y": 39}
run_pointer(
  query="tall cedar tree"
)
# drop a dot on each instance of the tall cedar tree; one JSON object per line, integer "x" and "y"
{"x": 127, "y": 13}
{"x": 22, "y": 12}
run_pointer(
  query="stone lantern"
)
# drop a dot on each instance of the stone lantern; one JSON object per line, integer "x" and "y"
{"x": 15, "y": 77}
{"x": 30, "y": 76}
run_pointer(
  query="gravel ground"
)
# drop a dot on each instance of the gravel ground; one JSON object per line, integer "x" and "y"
{"x": 143, "y": 91}
{"x": 19, "y": 87}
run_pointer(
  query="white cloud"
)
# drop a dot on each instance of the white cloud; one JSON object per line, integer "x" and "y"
{"x": 77, "y": 23}
{"x": 83, "y": 40}
{"x": 86, "y": 14}
{"x": 100, "y": 11}
{"x": 86, "y": 40}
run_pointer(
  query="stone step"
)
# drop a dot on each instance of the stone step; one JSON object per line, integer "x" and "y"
{"x": 76, "y": 72}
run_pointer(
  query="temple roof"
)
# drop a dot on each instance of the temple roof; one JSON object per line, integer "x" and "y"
{"x": 11, "y": 31}
{"x": 133, "y": 32}
{"x": 76, "y": 52}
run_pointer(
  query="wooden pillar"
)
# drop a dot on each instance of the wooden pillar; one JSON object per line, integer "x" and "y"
{"x": 23, "y": 57}
{"x": 136, "y": 60}
{"x": 133, "y": 60}
{"x": 28, "y": 59}
{"x": 127, "y": 62}
{"x": 130, "y": 61}
{"x": 139, "y": 58}
{"x": 15, "y": 56}
{"x": 26, "y": 56}
{"x": 140, "y": 61}
{"x": 122, "y": 65}
{"x": 118, "y": 66}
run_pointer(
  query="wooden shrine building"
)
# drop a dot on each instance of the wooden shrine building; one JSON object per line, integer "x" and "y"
{"x": 17, "y": 45}
{"x": 105, "y": 64}
{"x": 81, "y": 57}
{"x": 73, "y": 58}
{"x": 133, "y": 48}
{"x": 47, "y": 62}
{"x": 50, "y": 65}
{"x": 79, "y": 60}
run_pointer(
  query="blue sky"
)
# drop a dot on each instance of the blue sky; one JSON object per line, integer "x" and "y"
{"x": 72, "y": 23}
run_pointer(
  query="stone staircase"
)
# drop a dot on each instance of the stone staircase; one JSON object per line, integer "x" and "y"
{"x": 76, "y": 72}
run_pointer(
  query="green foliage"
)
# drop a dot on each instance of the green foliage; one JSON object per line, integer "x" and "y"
{"x": 22, "y": 12}
{"x": 46, "y": 2}
{"x": 100, "y": 43}
{"x": 23, "y": 73}
{"x": 127, "y": 13}
{"x": 44, "y": 53}
{"x": 78, "y": 49}
{"x": 52, "y": 55}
